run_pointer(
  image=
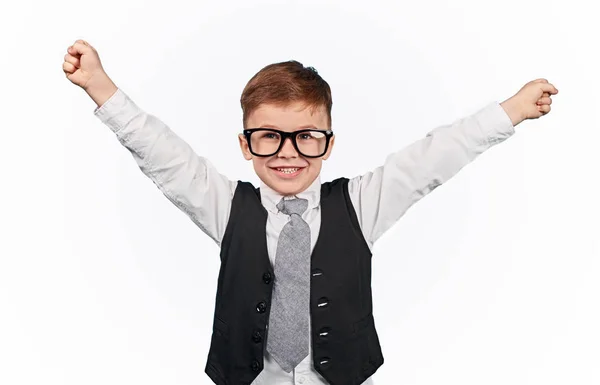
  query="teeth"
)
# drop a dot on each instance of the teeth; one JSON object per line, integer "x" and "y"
{"x": 287, "y": 170}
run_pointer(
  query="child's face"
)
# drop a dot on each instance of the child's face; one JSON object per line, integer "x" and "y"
{"x": 293, "y": 117}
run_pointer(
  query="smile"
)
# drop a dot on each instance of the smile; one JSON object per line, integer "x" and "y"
{"x": 287, "y": 171}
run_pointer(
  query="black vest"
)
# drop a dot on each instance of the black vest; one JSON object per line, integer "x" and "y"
{"x": 345, "y": 344}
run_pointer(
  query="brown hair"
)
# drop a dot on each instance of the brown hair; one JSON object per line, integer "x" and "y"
{"x": 283, "y": 83}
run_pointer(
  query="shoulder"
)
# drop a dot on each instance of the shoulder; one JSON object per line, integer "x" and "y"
{"x": 337, "y": 187}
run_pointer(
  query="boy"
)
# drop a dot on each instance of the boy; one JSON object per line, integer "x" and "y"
{"x": 293, "y": 301}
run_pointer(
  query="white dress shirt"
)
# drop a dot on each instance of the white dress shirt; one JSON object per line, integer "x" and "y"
{"x": 379, "y": 197}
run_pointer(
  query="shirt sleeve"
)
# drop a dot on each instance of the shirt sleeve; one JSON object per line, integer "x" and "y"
{"x": 188, "y": 180}
{"x": 382, "y": 196}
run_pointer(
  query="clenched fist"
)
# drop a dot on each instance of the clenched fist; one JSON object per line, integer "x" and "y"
{"x": 82, "y": 66}
{"x": 531, "y": 102}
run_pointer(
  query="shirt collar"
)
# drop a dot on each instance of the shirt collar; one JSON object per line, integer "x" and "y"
{"x": 270, "y": 198}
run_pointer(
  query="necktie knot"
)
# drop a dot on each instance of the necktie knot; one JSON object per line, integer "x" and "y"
{"x": 293, "y": 206}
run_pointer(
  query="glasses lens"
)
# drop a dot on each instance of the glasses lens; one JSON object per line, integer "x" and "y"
{"x": 311, "y": 143}
{"x": 265, "y": 142}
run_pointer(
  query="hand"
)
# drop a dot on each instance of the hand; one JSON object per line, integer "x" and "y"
{"x": 83, "y": 67}
{"x": 82, "y": 64}
{"x": 531, "y": 102}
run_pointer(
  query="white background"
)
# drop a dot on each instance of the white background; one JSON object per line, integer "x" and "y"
{"x": 490, "y": 279}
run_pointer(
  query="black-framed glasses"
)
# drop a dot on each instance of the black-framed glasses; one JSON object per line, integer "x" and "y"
{"x": 311, "y": 143}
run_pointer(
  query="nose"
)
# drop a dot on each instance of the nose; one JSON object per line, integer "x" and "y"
{"x": 287, "y": 150}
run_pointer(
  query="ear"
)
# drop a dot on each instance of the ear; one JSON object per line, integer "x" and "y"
{"x": 244, "y": 147}
{"x": 331, "y": 142}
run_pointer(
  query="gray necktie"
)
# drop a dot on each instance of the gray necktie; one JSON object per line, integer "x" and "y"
{"x": 288, "y": 335}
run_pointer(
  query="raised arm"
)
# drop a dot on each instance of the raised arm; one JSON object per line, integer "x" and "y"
{"x": 382, "y": 196}
{"x": 188, "y": 180}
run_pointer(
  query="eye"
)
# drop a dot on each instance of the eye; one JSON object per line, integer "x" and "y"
{"x": 270, "y": 135}
{"x": 305, "y": 136}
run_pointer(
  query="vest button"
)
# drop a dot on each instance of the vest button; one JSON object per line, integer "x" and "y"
{"x": 256, "y": 336}
{"x": 255, "y": 366}
{"x": 324, "y": 362}
{"x": 261, "y": 307}
{"x": 267, "y": 277}
{"x": 324, "y": 333}
{"x": 323, "y": 302}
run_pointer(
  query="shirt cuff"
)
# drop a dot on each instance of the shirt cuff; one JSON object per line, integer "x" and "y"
{"x": 495, "y": 123}
{"x": 117, "y": 111}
